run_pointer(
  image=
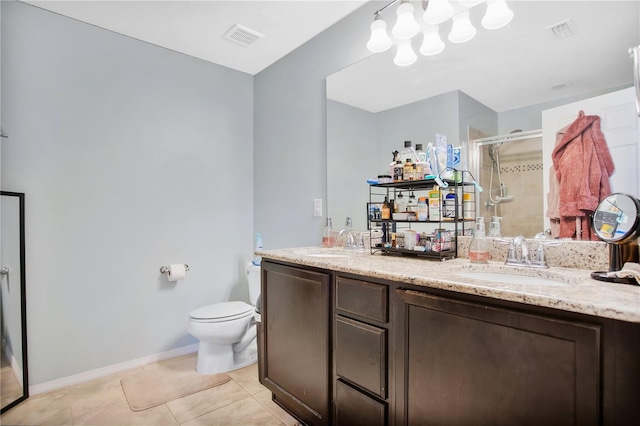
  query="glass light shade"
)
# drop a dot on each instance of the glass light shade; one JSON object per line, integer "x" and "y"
{"x": 437, "y": 11}
{"x": 406, "y": 25}
{"x": 432, "y": 44}
{"x": 498, "y": 15}
{"x": 470, "y": 3}
{"x": 462, "y": 30}
{"x": 379, "y": 41}
{"x": 405, "y": 55}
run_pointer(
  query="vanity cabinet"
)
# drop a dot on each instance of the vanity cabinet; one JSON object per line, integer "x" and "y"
{"x": 465, "y": 363}
{"x": 361, "y": 352}
{"x": 343, "y": 349}
{"x": 295, "y": 340}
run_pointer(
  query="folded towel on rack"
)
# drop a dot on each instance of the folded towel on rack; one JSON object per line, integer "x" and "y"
{"x": 629, "y": 270}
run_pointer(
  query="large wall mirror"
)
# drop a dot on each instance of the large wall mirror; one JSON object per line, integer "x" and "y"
{"x": 14, "y": 383}
{"x": 497, "y": 83}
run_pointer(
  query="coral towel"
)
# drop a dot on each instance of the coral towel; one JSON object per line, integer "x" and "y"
{"x": 583, "y": 165}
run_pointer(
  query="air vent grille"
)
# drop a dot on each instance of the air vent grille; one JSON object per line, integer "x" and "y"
{"x": 243, "y": 35}
{"x": 562, "y": 29}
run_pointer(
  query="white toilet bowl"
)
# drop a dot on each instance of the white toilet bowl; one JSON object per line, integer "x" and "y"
{"x": 227, "y": 331}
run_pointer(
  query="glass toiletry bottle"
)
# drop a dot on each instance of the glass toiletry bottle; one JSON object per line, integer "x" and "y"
{"x": 494, "y": 227}
{"x": 408, "y": 170}
{"x": 398, "y": 172}
{"x": 412, "y": 203}
{"x": 328, "y": 239}
{"x": 386, "y": 209}
{"x": 479, "y": 247}
{"x": 400, "y": 205}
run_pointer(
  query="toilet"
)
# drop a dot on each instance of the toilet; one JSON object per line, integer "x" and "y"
{"x": 227, "y": 331}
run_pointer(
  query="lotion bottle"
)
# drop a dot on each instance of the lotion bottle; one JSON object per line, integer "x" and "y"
{"x": 479, "y": 247}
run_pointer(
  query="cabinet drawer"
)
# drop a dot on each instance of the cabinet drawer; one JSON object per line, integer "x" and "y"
{"x": 362, "y": 298}
{"x": 361, "y": 355}
{"x": 355, "y": 408}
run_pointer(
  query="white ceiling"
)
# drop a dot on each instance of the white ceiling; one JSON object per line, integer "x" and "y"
{"x": 196, "y": 28}
{"x": 504, "y": 69}
{"x": 508, "y": 68}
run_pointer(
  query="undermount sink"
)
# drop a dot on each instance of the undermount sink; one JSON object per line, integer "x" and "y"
{"x": 509, "y": 278}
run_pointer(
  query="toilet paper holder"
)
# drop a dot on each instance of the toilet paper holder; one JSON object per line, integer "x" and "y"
{"x": 165, "y": 269}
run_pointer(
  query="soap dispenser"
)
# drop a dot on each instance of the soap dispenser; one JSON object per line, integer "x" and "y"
{"x": 328, "y": 239}
{"x": 479, "y": 247}
{"x": 494, "y": 227}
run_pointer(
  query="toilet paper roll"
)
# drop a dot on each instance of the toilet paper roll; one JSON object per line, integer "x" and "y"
{"x": 177, "y": 272}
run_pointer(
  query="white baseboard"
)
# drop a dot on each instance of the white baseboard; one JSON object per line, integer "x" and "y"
{"x": 108, "y": 370}
{"x": 15, "y": 365}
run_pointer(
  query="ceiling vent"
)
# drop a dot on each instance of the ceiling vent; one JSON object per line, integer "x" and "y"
{"x": 243, "y": 35}
{"x": 562, "y": 29}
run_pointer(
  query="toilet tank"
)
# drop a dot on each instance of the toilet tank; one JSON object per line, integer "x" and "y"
{"x": 253, "y": 279}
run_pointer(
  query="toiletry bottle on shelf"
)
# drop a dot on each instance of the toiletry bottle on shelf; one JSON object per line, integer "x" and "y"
{"x": 469, "y": 206}
{"x": 386, "y": 209}
{"x": 434, "y": 204}
{"x": 479, "y": 247}
{"x": 423, "y": 209}
{"x": 449, "y": 205}
{"x": 328, "y": 239}
{"x": 407, "y": 152}
{"x": 398, "y": 172}
{"x": 393, "y": 162}
{"x": 407, "y": 173}
{"x": 494, "y": 227}
{"x": 400, "y": 205}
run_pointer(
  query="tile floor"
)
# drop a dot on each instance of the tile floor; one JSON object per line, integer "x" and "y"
{"x": 241, "y": 401}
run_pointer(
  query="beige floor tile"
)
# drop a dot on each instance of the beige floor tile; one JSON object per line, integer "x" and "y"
{"x": 199, "y": 403}
{"x": 51, "y": 408}
{"x": 246, "y": 412}
{"x": 264, "y": 398}
{"x": 247, "y": 377}
{"x": 182, "y": 363}
{"x": 96, "y": 394}
{"x": 120, "y": 414}
{"x": 10, "y": 388}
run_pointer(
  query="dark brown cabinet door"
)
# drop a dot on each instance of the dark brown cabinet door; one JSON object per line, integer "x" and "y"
{"x": 468, "y": 364}
{"x": 353, "y": 408}
{"x": 295, "y": 343}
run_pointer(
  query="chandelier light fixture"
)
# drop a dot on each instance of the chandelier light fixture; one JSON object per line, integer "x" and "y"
{"x": 436, "y": 13}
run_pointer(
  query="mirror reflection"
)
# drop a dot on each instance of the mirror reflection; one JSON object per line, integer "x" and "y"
{"x": 498, "y": 82}
{"x": 616, "y": 218}
{"x": 13, "y": 355}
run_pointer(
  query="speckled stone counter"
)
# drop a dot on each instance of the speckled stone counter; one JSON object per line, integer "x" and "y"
{"x": 569, "y": 289}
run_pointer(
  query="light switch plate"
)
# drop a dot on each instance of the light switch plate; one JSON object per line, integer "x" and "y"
{"x": 317, "y": 207}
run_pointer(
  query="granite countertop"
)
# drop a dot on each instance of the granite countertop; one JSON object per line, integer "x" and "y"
{"x": 570, "y": 289}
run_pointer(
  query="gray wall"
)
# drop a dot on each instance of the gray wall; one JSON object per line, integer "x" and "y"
{"x": 131, "y": 157}
{"x": 290, "y": 146}
{"x": 352, "y": 150}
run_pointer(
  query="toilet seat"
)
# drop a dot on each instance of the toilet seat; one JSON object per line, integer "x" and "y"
{"x": 222, "y": 312}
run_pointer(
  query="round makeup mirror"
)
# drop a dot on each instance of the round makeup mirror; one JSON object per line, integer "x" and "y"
{"x": 616, "y": 221}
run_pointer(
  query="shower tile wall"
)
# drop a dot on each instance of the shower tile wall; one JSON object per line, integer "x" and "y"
{"x": 521, "y": 170}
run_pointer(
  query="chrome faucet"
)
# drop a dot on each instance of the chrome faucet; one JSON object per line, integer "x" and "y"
{"x": 350, "y": 242}
{"x": 521, "y": 248}
{"x": 519, "y": 254}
